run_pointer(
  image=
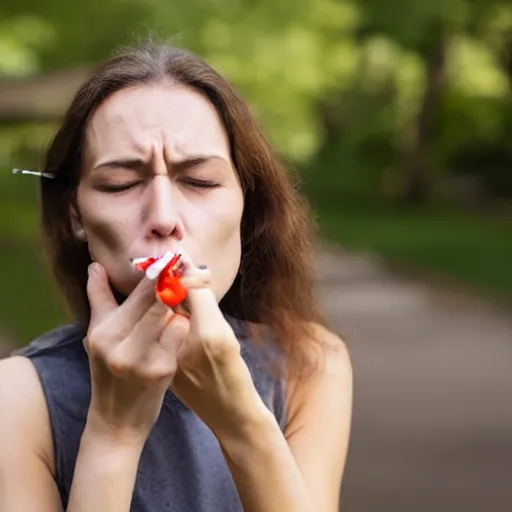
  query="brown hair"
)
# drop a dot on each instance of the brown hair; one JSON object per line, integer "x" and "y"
{"x": 275, "y": 282}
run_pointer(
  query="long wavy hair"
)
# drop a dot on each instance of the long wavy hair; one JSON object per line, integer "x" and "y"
{"x": 274, "y": 286}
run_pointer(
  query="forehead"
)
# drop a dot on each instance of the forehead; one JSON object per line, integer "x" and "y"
{"x": 144, "y": 117}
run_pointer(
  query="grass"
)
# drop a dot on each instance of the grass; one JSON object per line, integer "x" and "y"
{"x": 470, "y": 249}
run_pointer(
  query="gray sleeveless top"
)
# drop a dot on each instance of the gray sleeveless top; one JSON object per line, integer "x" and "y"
{"x": 182, "y": 468}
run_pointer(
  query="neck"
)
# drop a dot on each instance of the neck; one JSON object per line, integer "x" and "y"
{"x": 120, "y": 298}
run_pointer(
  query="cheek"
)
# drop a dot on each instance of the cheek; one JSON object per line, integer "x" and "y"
{"x": 109, "y": 236}
{"x": 108, "y": 225}
{"x": 214, "y": 240}
{"x": 217, "y": 222}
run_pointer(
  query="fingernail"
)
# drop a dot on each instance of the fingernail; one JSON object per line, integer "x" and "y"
{"x": 92, "y": 268}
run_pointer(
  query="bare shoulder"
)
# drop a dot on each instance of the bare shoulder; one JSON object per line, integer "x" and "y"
{"x": 318, "y": 416}
{"x": 332, "y": 353}
{"x": 19, "y": 382}
{"x": 18, "y": 368}
{"x": 26, "y": 449}
{"x": 23, "y": 401}
{"x": 329, "y": 359}
{"x": 326, "y": 387}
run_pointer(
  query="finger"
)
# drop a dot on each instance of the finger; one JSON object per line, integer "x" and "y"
{"x": 162, "y": 357}
{"x": 197, "y": 278}
{"x": 99, "y": 293}
{"x": 201, "y": 301}
{"x": 174, "y": 334}
{"x": 136, "y": 305}
{"x": 145, "y": 333}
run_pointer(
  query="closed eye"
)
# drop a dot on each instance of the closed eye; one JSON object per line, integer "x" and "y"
{"x": 119, "y": 187}
{"x": 199, "y": 183}
{"x": 189, "y": 182}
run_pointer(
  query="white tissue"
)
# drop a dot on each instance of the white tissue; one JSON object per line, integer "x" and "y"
{"x": 153, "y": 271}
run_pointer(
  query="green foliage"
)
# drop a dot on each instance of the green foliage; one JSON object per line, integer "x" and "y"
{"x": 28, "y": 302}
{"x": 21, "y": 39}
{"x": 286, "y": 57}
{"x": 282, "y": 56}
{"x": 473, "y": 250}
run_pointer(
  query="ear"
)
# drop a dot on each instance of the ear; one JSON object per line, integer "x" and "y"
{"x": 76, "y": 223}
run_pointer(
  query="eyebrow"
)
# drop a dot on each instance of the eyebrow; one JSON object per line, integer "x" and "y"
{"x": 137, "y": 164}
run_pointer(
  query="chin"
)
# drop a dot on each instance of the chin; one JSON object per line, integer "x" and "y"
{"x": 124, "y": 284}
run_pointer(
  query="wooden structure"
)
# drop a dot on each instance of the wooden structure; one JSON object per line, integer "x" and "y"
{"x": 40, "y": 97}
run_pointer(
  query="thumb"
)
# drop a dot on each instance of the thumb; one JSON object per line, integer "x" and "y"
{"x": 99, "y": 293}
{"x": 201, "y": 301}
{"x": 202, "y": 304}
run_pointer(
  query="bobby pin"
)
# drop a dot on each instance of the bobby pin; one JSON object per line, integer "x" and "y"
{"x": 34, "y": 173}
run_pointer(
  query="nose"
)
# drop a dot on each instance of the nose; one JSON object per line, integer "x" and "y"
{"x": 162, "y": 218}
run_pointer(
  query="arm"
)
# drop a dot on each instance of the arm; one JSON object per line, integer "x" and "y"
{"x": 302, "y": 470}
{"x": 26, "y": 448}
{"x": 108, "y": 464}
{"x": 27, "y": 465}
{"x": 130, "y": 371}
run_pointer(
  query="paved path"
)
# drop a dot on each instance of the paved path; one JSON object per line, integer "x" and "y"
{"x": 432, "y": 427}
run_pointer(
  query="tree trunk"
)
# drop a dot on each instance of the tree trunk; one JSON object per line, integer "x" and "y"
{"x": 506, "y": 60}
{"x": 417, "y": 185}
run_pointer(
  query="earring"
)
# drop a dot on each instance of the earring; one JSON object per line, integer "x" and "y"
{"x": 80, "y": 235}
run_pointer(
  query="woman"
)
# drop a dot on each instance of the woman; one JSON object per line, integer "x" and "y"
{"x": 240, "y": 399}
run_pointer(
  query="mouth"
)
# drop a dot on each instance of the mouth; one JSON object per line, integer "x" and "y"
{"x": 154, "y": 265}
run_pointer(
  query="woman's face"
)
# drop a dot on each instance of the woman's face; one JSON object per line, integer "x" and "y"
{"x": 157, "y": 171}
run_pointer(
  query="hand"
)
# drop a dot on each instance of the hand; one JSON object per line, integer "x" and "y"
{"x": 132, "y": 352}
{"x": 212, "y": 377}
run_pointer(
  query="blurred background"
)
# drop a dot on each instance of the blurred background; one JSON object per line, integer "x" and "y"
{"x": 397, "y": 115}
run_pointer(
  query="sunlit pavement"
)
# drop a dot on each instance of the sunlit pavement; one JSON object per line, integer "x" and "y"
{"x": 432, "y": 425}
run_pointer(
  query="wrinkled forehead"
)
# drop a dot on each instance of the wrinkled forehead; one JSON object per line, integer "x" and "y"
{"x": 144, "y": 119}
